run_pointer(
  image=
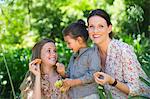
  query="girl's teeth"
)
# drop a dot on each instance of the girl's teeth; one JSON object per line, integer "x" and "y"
{"x": 52, "y": 59}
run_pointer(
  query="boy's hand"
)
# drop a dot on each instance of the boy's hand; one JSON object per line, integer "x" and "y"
{"x": 60, "y": 69}
{"x": 64, "y": 89}
{"x": 68, "y": 82}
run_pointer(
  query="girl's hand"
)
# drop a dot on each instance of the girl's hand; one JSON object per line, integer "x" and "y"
{"x": 103, "y": 78}
{"x": 34, "y": 67}
{"x": 60, "y": 68}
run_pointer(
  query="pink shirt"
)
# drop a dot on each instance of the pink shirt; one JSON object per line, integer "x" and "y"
{"x": 122, "y": 64}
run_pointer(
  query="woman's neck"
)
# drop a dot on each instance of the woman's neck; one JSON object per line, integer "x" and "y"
{"x": 104, "y": 46}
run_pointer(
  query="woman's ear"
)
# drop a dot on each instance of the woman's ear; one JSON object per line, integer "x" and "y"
{"x": 80, "y": 40}
{"x": 109, "y": 28}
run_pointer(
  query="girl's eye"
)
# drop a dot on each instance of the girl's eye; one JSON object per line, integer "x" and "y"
{"x": 49, "y": 50}
{"x": 52, "y": 51}
{"x": 55, "y": 51}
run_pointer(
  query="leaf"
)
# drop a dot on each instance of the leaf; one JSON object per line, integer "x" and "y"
{"x": 145, "y": 81}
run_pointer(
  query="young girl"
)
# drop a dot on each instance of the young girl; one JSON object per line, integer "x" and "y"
{"x": 121, "y": 69}
{"x": 82, "y": 65}
{"x": 40, "y": 79}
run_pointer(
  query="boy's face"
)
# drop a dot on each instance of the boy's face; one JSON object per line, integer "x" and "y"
{"x": 72, "y": 43}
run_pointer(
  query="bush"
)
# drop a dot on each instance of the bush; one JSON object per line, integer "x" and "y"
{"x": 17, "y": 62}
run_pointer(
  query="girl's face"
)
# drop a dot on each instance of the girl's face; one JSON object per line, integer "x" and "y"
{"x": 48, "y": 54}
{"x": 98, "y": 29}
{"x": 72, "y": 43}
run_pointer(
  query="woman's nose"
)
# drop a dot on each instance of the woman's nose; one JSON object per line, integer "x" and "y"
{"x": 96, "y": 30}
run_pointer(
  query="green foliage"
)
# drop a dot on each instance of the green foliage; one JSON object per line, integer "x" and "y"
{"x": 22, "y": 23}
{"x": 64, "y": 53}
{"x": 146, "y": 82}
{"x": 17, "y": 61}
{"x": 137, "y": 97}
{"x": 101, "y": 92}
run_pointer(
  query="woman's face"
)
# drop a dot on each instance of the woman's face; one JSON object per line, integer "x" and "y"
{"x": 48, "y": 54}
{"x": 98, "y": 29}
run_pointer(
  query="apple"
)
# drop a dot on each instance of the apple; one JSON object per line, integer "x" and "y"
{"x": 58, "y": 83}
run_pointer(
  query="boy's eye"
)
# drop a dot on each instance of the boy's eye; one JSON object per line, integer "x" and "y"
{"x": 68, "y": 43}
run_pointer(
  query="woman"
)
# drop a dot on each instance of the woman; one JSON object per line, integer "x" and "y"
{"x": 39, "y": 81}
{"x": 120, "y": 67}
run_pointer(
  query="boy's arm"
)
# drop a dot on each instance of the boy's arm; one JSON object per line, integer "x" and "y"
{"x": 94, "y": 66}
{"x": 71, "y": 82}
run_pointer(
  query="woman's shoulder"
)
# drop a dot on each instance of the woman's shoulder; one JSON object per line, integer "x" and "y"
{"x": 122, "y": 48}
{"x": 120, "y": 45}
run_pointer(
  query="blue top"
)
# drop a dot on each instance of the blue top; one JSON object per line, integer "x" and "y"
{"x": 82, "y": 65}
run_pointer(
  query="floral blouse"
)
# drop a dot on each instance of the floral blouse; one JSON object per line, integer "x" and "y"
{"x": 122, "y": 64}
{"x": 48, "y": 90}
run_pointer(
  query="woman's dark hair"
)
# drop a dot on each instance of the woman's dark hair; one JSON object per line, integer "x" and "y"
{"x": 77, "y": 29}
{"x": 103, "y": 14}
{"x": 36, "y": 50}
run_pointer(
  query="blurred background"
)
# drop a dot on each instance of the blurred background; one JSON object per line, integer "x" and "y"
{"x": 24, "y": 22}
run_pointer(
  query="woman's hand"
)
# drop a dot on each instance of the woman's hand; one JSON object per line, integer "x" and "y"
{"x": 34, "y": 67}
{"x": 103, "y": 78}
{"x": 60, "y": 69}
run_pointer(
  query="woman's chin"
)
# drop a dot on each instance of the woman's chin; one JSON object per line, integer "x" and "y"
{"x": 96, "y": 42}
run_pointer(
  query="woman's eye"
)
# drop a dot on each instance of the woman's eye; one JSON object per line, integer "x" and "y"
{"x": 90, "y": 26}
{"x": 100, "y": 26}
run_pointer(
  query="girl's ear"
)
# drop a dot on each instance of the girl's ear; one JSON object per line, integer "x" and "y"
{"x": 80, "y": 40}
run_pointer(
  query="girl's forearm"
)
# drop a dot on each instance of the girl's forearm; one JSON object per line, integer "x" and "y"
{"x": 37, "y": 88}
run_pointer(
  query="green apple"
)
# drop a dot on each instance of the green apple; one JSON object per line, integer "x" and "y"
{"x": 58, "y": 83}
